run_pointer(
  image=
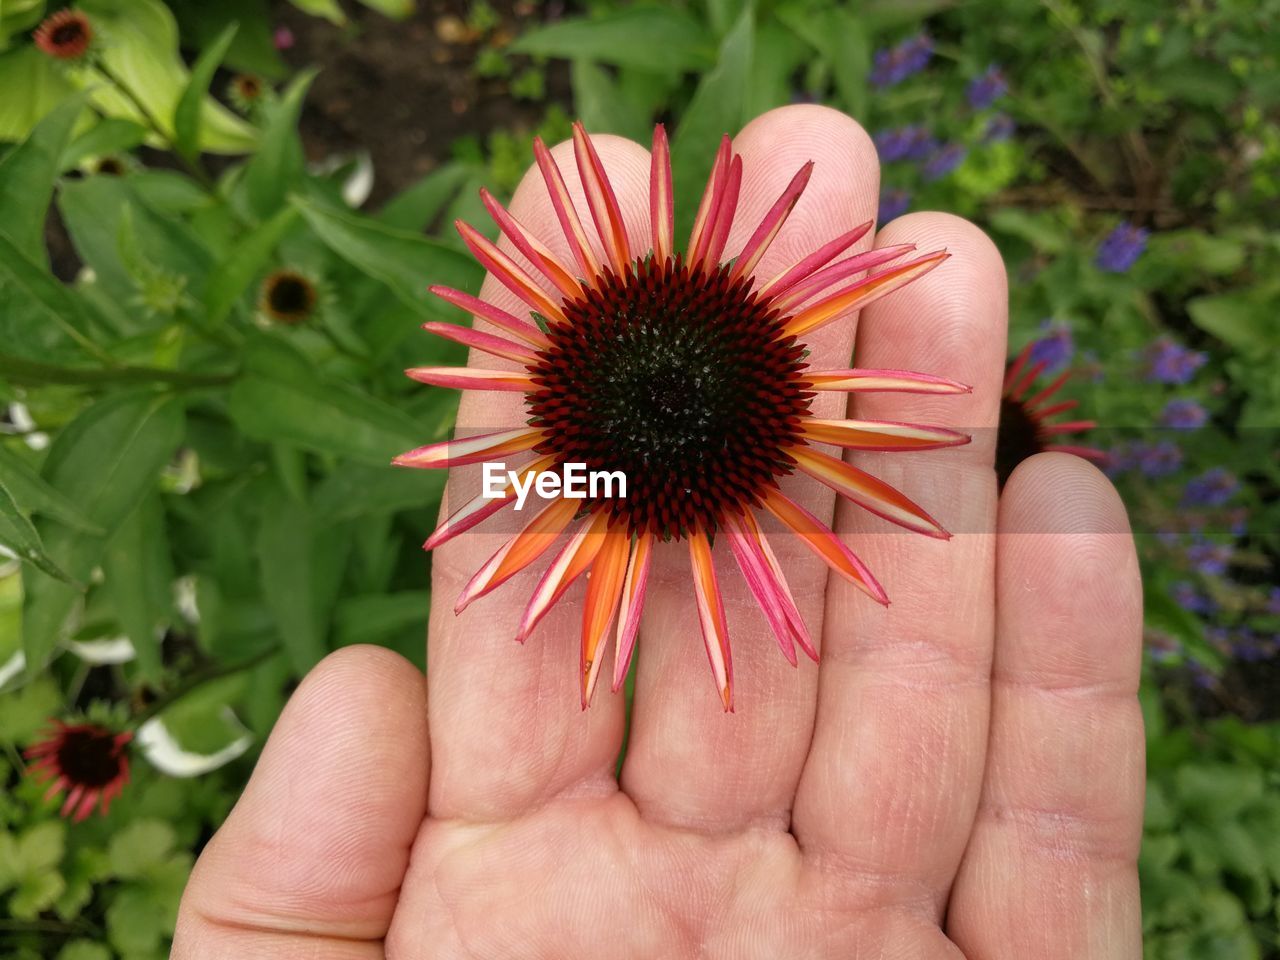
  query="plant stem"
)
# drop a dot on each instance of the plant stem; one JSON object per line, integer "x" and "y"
{"x": 199, "y": 679}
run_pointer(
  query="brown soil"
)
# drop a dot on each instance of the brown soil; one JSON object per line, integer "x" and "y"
{"x": 406, "y": 90}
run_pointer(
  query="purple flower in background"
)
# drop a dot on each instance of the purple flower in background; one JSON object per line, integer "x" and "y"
{"x": 1000, "y": 127}
{"x": 913, "y": 142}
{"x": 897, "y": 63}
{"x": 988, "y": 88}
{"x": 1209, "y": 558}
{"x": 1055, "y": 348}
{"x": 1163, "y": 646}
{"x": 1201, "y": 675}
{"x": 1212, "y": 488}
{"x": 1158, "y": 459}
{"x": 1170, "y": 362}
{"x": 893, "y": 204}
{"x": 1121, "y": 248}
{"x": 1273, "y": 601}
{"x": 1249, "y": 647}
{"x": 1183, "y": 415}
{"x": 1188, "y": 597}
{"x": 283, "y": 38}
{"x": 943, "y": 161}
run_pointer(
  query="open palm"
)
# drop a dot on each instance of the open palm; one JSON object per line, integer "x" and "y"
{"x": 961, "y": 777}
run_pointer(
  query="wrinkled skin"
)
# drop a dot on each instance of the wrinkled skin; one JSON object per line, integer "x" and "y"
{"x": 961, "y": 777}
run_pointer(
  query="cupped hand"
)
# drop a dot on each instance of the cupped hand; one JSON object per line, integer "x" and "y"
{"x": 961, "y": 776}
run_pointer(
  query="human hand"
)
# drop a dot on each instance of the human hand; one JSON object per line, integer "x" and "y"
{"x": 961, "y": 777}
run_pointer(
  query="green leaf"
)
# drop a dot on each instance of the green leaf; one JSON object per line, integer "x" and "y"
{"x": 26, "y": 711}
{"x": 1243, "y": 319}
{"x": 27, "y": 176}
{"x": 53, "y": 319}
{"x": 601, "y": 104}
{"x": 1040, "y": 229}
{"x": 418, "y": 206}
{"x": 139, "y": 847}
{"x": 106, "y": 460}
{"x": 285, "y": 553}
{"x": 109, "y": 135}
{"x": 356, "y": 490}
{"x": 17, "y": 533}
{"x": 84, "y": 950}
{"x": 186, "y": 116}
{"x": 371, "y": 619}
{"x": 716, "y": 109}
{"x": 43, "y": 83}
{"x": 37, "y": 497}
{"x": 281, "y": 397}
{"x": 233, "y": 274}
{"x": 138, "y": 572}
{"x": 41, "y": 847}
{"x": 142, "y": 58}
{"x": 660, "y": 38}
{"x": 405, "y": 262}
{"x": 396, "y": 9}
{"x": 329, "y": 9}
{"x": 1217, "y": 792}
{"x": 278, "y": 165}
{"x": 135, "y": 927}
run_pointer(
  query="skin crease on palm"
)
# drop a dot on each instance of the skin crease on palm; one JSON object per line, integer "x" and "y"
{"x": 962, "y": 777}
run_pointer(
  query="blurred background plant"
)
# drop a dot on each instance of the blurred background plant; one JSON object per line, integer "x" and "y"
{"x": 213, "y": 264}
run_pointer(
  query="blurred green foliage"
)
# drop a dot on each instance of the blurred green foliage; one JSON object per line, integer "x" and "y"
{"x": 188, "y": 467}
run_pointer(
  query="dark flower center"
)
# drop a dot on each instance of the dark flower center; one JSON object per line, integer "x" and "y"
{"x": 682, "y": 380}
{"x": 69, "y": 33}
{"x": 89, "y": 758}
{"x": 248, "y": 87}
{"x": 1018, "y": 438}
{"x": 290, "y": 296}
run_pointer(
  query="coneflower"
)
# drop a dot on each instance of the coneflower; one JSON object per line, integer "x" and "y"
{"x": 288, "y": 297}
{"x": 1027, "y": 424}
{"x": 86, "y": 761}
{"x": 65, "y": 35}
{"x": 686, "y": 372}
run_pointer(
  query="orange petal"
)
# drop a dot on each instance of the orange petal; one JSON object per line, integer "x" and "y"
{"x": 715, "y": 631}
{"x": 480, "y": 507}
{"x": 485, "y": 446}
{"x": 819, "y": 538}
{"x": 566, "y": 213}
{"x": 859, "y": 294}
{"x": 889, "y": 381}
{"x": 601, "y": 199}
{"x": 473, "y": 378}
{"x": 807, "y": 264}
{"x": 509, "y": 273}
{"x": 520, "y": 551}
{"x": 661, "y": 198}
{"x": 759, "y": 580}
{"x": 571, "y": 563}
{"x": 534, "y": 250}
{"x": 867, "y": 491}
{"x": 499, "y": 318}
{"x": 836, "y": 273}
{"x": 603, "y": 593}
{"x": 633, "y": 590}
{"x": 773, "y": 220}
{"x": 880, "y": 434}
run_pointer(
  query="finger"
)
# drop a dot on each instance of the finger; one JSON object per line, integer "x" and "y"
{"x": 506, "y": 729}
{"x": 311, "y": 859}
{"x": 740, "y": 768}
{"x": 1051, "y": 868}
{"x": 896, "y": 765}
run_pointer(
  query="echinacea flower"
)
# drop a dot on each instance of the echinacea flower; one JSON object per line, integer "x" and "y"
{"x": 1027, "y": 426}
{"x": 288, "y": 297}
{"x": 685, "y": 371}
{"x": 246, "y": 91}
{"x": 87, "y": 761}
{"x": 65, "y": 35}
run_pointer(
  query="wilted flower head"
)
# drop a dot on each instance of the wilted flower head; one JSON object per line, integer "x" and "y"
{"x": 893, "y": 204}
{"x": 897, "y": 63}
{"x": 986, "y": 89}
{"x": 1055, "y": 349}
{"x": 65, "y": 35}
{"x": 913, "y": 142}
{"x": 1183, "y": 414}
{"x": 685, "y": 371}
{"x": 87, "y": 761}
{"x": 1212, "y": 488}
{"x": 1027, "y": 424}
{"x": 288, "y": 297}
{"x": 945, "y": 159}
{"x": 1172, "y": 363}
{"x": 1121, "y": 248}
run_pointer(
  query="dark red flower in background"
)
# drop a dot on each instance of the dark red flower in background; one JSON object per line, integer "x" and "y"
{"x": 66, "y": 35}
{"x": 86, "y": 760}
